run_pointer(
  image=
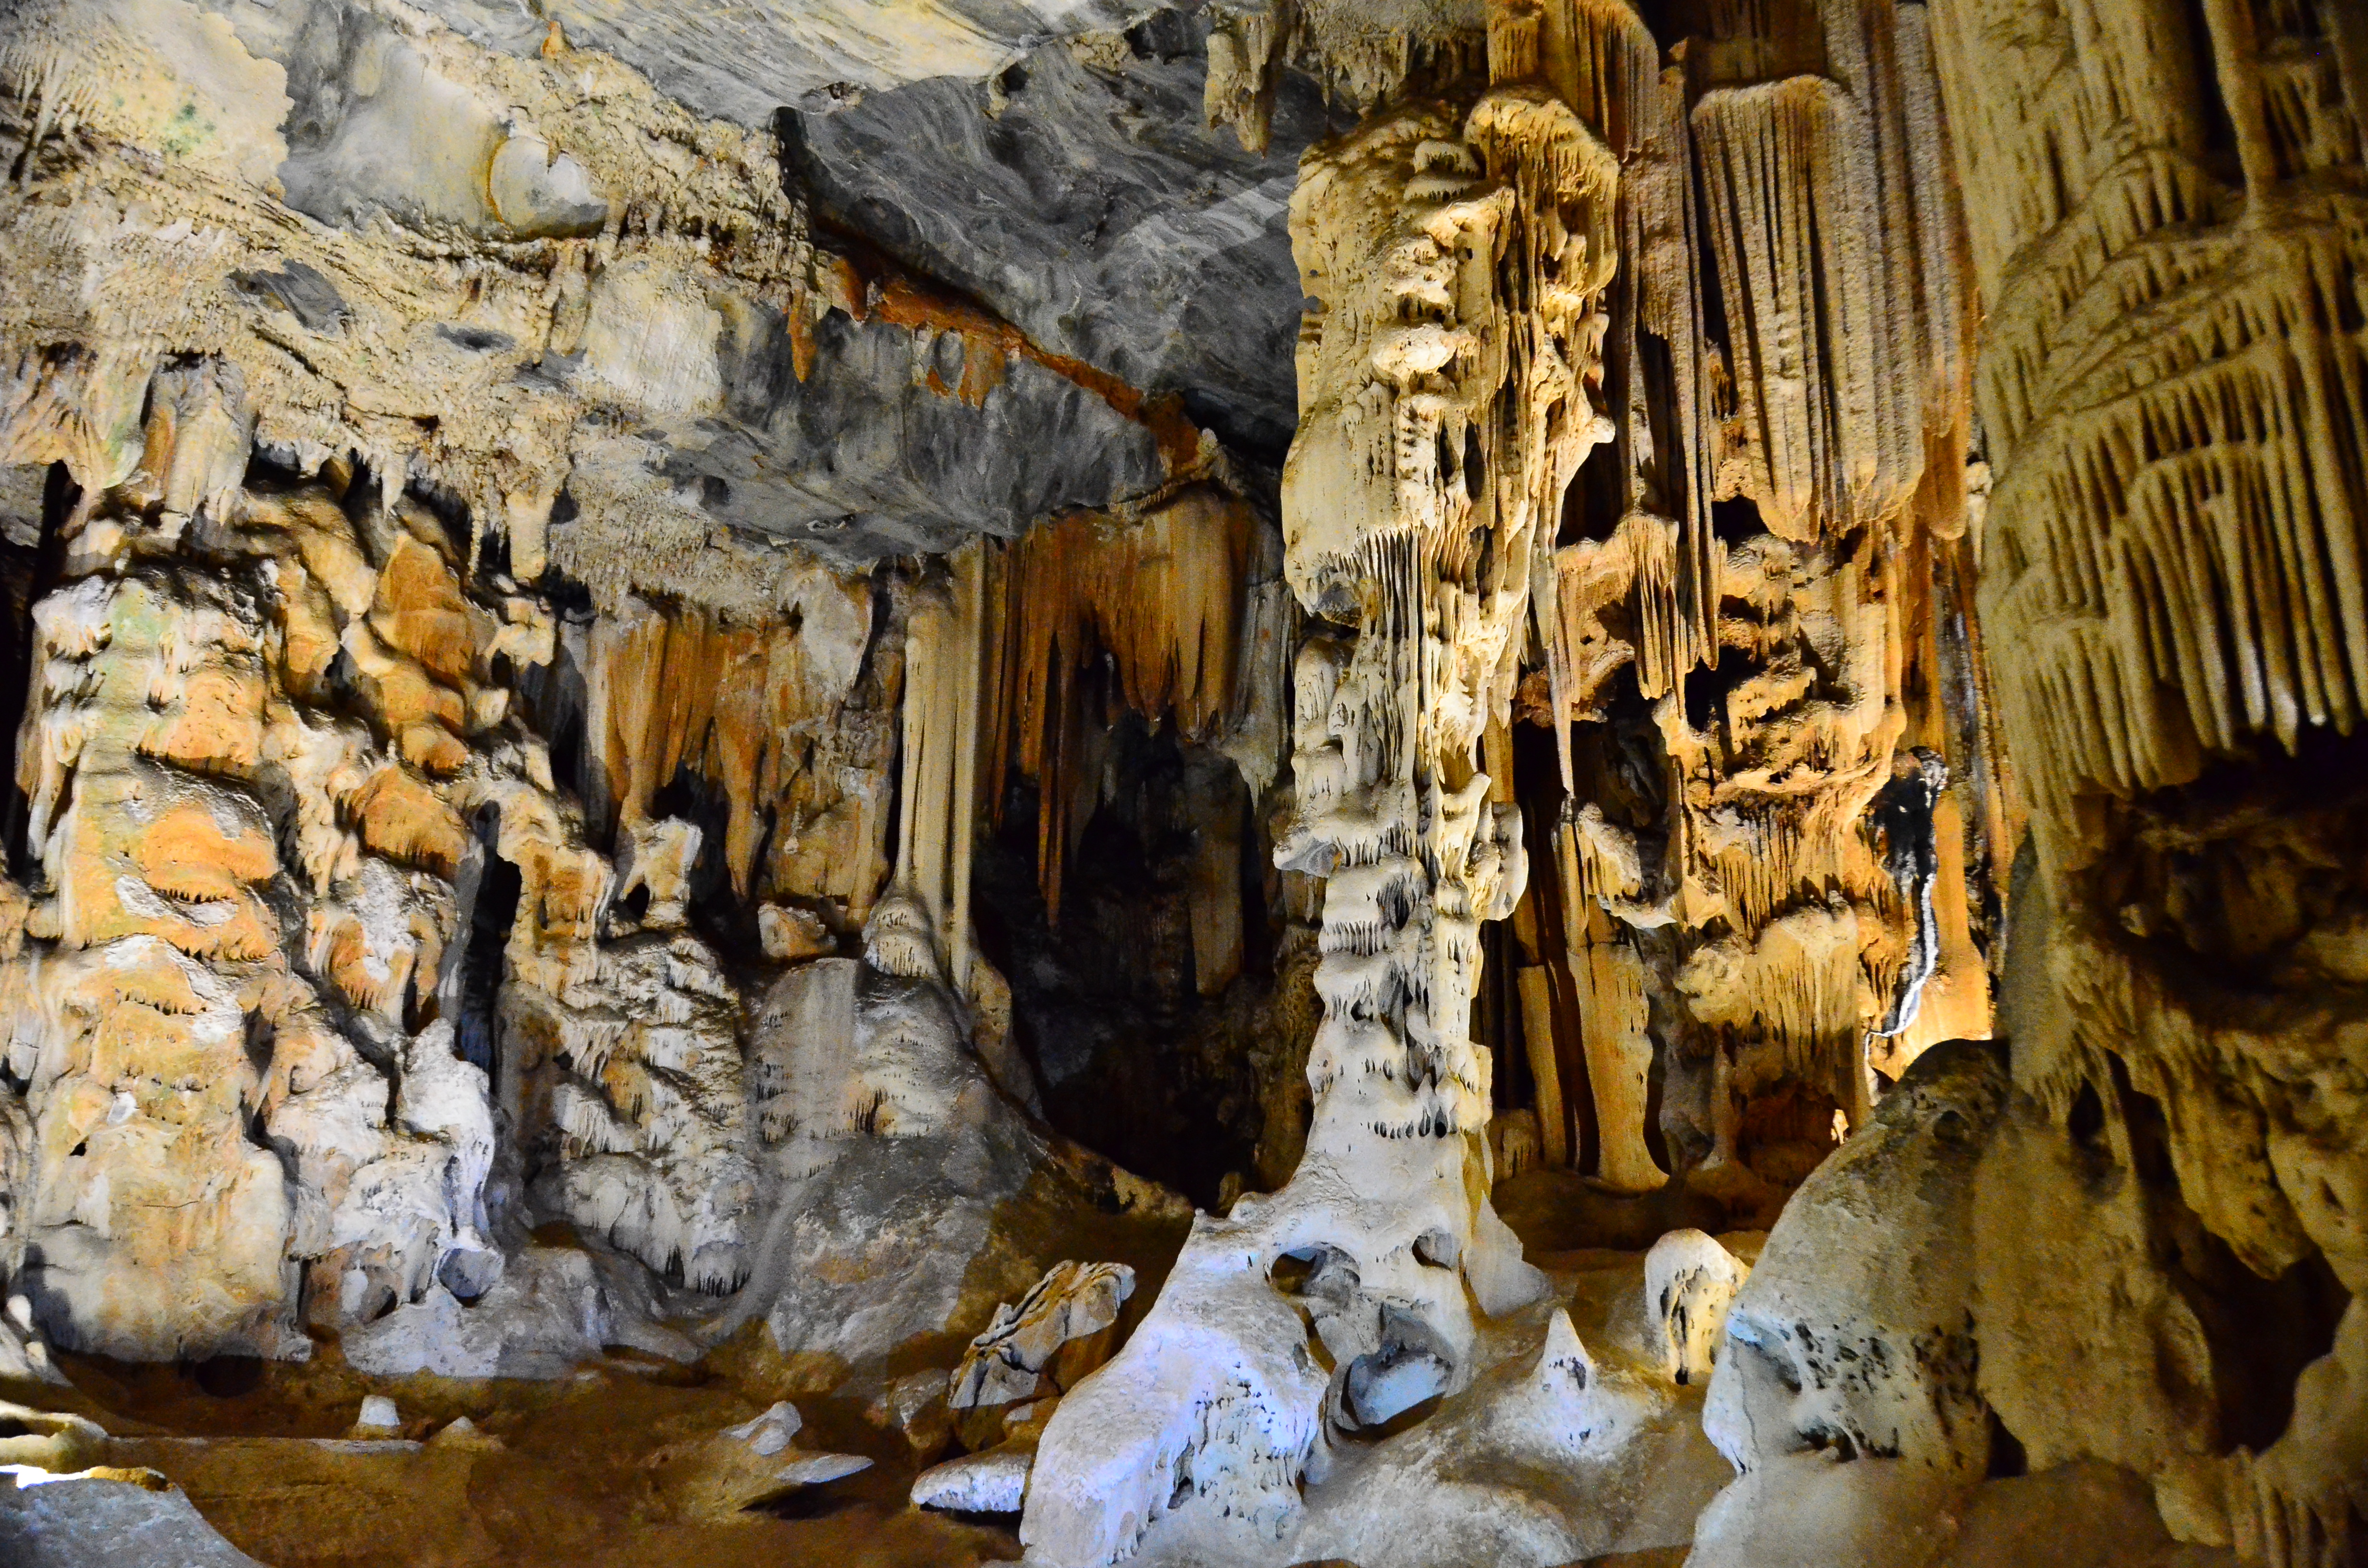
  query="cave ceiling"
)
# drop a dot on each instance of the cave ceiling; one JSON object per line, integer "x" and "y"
{"x": 1411, "y": 783}
{"x": 1030, "y": 188}
{"x": 1078, "y": 194}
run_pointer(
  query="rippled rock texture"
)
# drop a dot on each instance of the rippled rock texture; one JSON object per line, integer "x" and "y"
{"x": 1252, "y": 781}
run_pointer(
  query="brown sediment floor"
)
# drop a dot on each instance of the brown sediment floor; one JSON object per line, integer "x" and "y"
{"x": 577, "y": 1471}
{"x": 619, "y": 1464}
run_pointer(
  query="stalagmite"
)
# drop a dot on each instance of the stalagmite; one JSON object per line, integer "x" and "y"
{"x": 1429, "y": 783}
{"x": 1537, "y": 1026}
{"x": 1442, "y": 414}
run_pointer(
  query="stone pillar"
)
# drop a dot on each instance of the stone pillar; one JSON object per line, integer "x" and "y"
{"x": 1446, "y": 372}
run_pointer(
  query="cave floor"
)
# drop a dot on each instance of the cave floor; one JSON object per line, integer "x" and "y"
{"x": 591, "y": 1470}
{"x": 567, "y": 1472}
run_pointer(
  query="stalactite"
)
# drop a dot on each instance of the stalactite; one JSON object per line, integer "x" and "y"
{"x": 1248, "y": 44}
{"x": 1163, "y": 596}
{"x": 1449, "y": 391}
{"x": 945, "y": 653}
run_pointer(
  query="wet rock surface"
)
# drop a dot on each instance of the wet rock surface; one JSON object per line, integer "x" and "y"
{"x": 1214, "y": 783}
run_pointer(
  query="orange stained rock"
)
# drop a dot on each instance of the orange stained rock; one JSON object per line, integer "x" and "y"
{"x": 216, "y": 724}
{"x": 404, "y": 818}
{"x": 766, "y": 713}
{"x": 988, "y": 342}
{"x": 421, "y": 611}
{"x": 308, "y": 631}
{"x": 110, "y": 858}
{"x": 189, "y": 851}
{"x": 405, "y": 693}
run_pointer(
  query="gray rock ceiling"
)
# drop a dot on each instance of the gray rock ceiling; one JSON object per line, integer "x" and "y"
{"x": 1046, "y": 157}
{"x": 1077, "y": 195}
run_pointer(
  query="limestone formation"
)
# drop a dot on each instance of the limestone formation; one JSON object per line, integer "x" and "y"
{"x": 170, "y": 739}
{"x": 722, "y": 1474}
{"x": 1417, "y": 782}
{"x": 66, "y": 1520}
{"x": 902, "y": 1191}
{"x": 994, "y": 1481}
{"x": 1069, "y": 1307}
{"x": 2147, "y": 497}
{"x": 1753, "y": 620}
{"x": 1567, "y": 1448}
{"x": 1436, "y": 433}
{"x": 1861, "y": 1340}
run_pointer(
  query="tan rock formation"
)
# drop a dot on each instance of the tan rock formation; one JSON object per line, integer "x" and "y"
{"x": 1749, "y": 617}
{"x": 2138, "y": 181}
{"x": 2168, "y": 556}
{"x": 772, "y": 714}
{"x": 1444, "y": 408}
{"x": 1071, "y": 1306}
{"x": 903, "y": 1196}
{"x": 231, "y": 1081}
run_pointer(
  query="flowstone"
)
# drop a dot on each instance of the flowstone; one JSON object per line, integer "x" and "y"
{"x": 904, "y": 1194}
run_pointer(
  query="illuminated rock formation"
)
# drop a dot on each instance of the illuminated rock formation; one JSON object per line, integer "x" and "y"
{"x": 330, "y": 762}
{"x": 1758, "y": 621}
{"x": 1447, "y": 398}
{"x": 678, "y": 680}
{"x": 905, "y": 1195}
{"x": 2160, "y": 214}
{"x": 2171, "y": 557}
{"x": 200, "y": 1021}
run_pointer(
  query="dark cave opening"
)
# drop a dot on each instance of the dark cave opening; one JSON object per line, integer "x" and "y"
{"x": 1141, "y": 1057}
{"x": 483, "y": 962}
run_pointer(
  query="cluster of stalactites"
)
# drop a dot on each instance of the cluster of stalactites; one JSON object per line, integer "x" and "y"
{"x": 1165, "y": 595}
{"x": 1359, "y": 58}
{"x": 1764, "y": 567}
{"x": 648, "y": 206}
{"x": 2164, "y": 208}
{"x": 1000, "y": 652}
{"x": 2171, "y": 559}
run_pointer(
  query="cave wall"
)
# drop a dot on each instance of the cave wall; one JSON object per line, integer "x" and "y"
{"x": 428, "y": 754}
{"x": 589, "y": 649}
{"x": 2164, "y": 476}
{"x": 2153, "y": 1180}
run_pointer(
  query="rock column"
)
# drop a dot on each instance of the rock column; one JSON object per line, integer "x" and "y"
{"x": 1447, "y": 375}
